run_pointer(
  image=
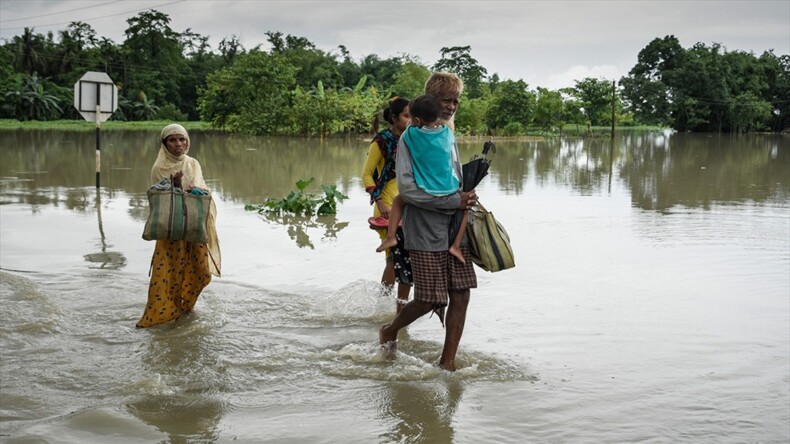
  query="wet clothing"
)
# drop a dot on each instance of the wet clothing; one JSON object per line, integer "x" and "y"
{"x": 436, "y": 273}
{"x": 179, "y": 272}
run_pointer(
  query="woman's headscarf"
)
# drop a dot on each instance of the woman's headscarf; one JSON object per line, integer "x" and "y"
{"x": 167, "y": 164}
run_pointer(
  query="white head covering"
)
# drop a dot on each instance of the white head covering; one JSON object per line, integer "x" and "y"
{"x": 167, "y": 164}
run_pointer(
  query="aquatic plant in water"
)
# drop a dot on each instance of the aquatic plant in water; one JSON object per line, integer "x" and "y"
{"x": 302, "y": 202}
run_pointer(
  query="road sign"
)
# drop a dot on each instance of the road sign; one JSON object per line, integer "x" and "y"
{"x": 95, "y": 96}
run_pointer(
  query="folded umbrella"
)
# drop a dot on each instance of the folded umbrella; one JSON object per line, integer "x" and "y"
{"x": 477, "y": 168}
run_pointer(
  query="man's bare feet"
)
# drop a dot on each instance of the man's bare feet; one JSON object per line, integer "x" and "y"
{"x": 388, "y": 242}
{"x": 386, "y": 336}
{"x": 455, "y": 251}
{"x": 449, "y": 366}
{"x": 388, "y": 342}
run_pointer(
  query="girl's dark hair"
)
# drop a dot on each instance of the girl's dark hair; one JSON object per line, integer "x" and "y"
{"x": 425, "y": 108}
{"x": 394, "y": 108}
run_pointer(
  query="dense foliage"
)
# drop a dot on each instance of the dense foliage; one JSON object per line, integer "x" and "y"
{"x": 296, "y": 88}
{"x": 705, "y": 88}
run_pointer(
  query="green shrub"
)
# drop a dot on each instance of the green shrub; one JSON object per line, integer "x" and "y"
{"x": 513, "y": 129}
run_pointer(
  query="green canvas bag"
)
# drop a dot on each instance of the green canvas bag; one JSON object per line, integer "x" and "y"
{"x": 489, "y": 243}
{"x": 176, "y": 215}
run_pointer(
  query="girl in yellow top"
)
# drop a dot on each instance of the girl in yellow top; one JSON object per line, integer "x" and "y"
{"x": 179, "y": 269}
{"x": 378, "y": 177}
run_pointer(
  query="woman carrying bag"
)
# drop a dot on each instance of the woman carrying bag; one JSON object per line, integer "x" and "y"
{"x": 179, "y": 269}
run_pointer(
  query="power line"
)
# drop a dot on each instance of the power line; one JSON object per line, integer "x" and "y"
{"x": 59, "y": 12}
{"x": 99, "y": 17}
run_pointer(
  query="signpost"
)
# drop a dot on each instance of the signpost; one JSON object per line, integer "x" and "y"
{"x": 96, "y": 98}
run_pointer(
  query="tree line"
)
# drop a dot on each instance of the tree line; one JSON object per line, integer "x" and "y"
{"x": 296, "y": 88}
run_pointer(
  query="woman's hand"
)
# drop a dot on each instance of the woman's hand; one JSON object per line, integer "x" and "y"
{"x": 384, "y": 209}
{"x": 177, "y": 179}
{"x": 198, "y": 191}
{"x": 468, "y": 200}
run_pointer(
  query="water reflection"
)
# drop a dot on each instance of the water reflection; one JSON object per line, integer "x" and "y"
{"x": 422, "y": 413}
{"x": 107, "y": 259}
{"x": 182, "y": 375}
{"x": 659, "y": 169}
{"x": 298, "y": 225}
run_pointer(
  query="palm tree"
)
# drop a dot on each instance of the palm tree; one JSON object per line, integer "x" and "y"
{"x": 29, "y": 52}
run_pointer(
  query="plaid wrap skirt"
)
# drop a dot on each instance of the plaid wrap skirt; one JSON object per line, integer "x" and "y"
{"x": 436, "y": 273}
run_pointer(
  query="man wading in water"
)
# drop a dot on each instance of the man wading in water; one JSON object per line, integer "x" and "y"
{"x": 439, "y": 280}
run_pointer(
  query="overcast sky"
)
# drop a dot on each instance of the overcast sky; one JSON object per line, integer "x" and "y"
{"x": 546, "y": 43}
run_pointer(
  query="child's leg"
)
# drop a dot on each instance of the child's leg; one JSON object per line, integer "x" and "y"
{"x": 455, "y": 248}
{"x": 396, "y": 212}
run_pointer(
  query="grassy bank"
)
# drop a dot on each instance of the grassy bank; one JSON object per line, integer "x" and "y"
{"x": 82, "y": 125}
{"x": 157, "y": 125}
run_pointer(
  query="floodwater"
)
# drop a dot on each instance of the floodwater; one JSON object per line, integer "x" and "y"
{"x": 650, "y": 301}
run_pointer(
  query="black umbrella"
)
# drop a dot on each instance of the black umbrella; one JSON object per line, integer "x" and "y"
{"x": 477, "y": 168}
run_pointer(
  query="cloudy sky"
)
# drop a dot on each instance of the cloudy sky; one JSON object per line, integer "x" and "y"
{"x": 545, "y": 43}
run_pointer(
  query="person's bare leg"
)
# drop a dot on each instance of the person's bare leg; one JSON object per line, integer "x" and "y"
{"x": 388, "y": 276}
{"x": 455, "y": 248}
{"x": 396, "y": 212}
{"x": 410, "y": 313}
{"x": 454, "y": 327}
{"x": 403, "y": 297}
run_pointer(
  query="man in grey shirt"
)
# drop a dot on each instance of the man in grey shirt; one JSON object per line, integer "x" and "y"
{"x": 440, "y": 280}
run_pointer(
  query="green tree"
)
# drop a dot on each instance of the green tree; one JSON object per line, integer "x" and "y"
{"x": 30, "y": 52}
{"x": 349, "y": 71}
{"x": 313, "y": 65}
{"x": 155, "y": 59}
{"x": 200, "y": 62}
{"x": 548, "y": 109}
{"x": 512, "y": 102}
{"x": 778, "y": 71}
{"x": 380, "y": 73}
{"x": 595, "y": 96}
{"x": 229, "y": 48}
{"x": 471, "y": 116}
{"x": 648, "y": 86}
{"x": 749, "y": 113}
{"x": 258, "y": 107}
{"x": 75, "y": 40}
{"x": 410, "y": 79}
{"x": 9, "y": 80}
{"x": 458, "y": 60}
{"x": 703, "y": 88}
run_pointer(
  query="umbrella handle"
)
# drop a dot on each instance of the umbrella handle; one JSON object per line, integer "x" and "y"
{"x": 489, "y": 146}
